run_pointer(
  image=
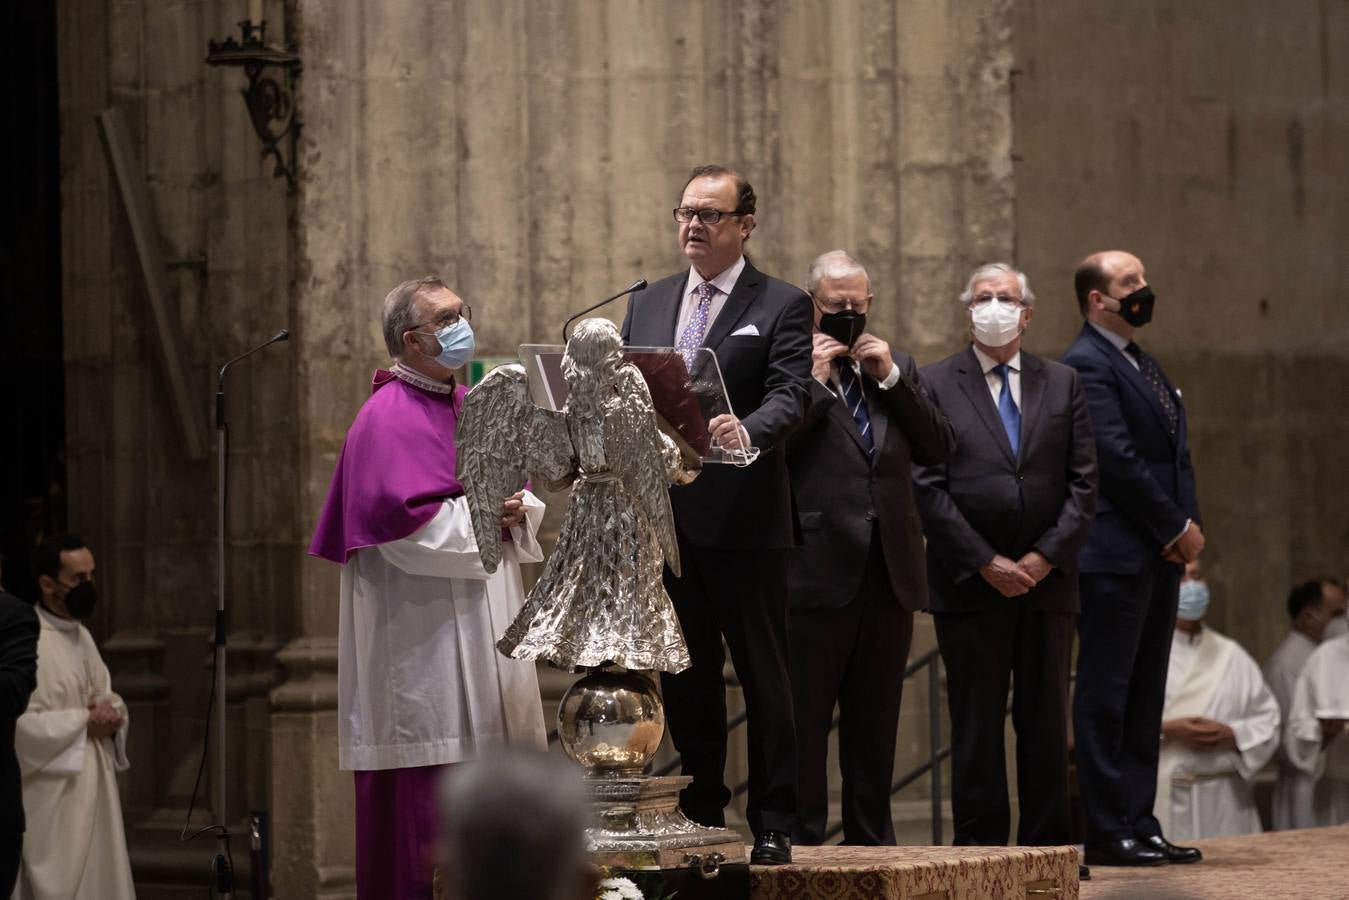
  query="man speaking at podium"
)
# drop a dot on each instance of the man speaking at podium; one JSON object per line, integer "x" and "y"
{"x": 735, "y": 525}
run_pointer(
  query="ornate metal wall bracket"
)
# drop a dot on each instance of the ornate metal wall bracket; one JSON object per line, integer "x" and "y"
{"x": 271, "y": 103}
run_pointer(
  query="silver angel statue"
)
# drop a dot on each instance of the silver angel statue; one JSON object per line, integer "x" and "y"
{"x": 600, "y": 598}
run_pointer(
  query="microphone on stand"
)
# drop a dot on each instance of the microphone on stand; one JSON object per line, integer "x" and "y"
{"x": 638, "y": 285}
{"x": 222, "y": 867}
{"x": 282, "y": 335}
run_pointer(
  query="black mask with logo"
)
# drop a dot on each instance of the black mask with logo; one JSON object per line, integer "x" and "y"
{"x": 1136, "y": 308}
{"x": 845, "y": 327}
{"x": 81, "y": 600}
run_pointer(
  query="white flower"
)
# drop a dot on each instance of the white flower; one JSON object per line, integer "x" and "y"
{"x": 619, "y": 889}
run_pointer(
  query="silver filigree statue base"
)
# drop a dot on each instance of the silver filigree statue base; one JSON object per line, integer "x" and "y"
{"x": 612, "y": 722}
{"x": 641, "y": 827}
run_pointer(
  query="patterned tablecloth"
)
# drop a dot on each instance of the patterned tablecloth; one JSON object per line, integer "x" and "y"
{"x": 920, "y": 873}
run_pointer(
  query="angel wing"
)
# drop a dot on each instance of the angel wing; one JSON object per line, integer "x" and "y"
{"x": 501, "y": 439}
{"x": 646, "y": 458}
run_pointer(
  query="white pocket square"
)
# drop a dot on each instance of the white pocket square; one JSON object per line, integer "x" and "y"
{"x": 747, "y": 331}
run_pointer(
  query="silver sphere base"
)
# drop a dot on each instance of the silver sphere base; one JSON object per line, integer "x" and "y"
{"x": 612, "y": 723}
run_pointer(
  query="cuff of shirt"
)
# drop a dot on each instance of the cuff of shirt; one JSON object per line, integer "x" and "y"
{"x": 890, "y": 380}
{"x": 1171, "y": 543}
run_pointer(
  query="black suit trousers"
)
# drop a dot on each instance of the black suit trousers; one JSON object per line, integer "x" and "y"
{"x": 741, "y": 594}
{"x": 986, "y": 652}
{"x": 853, "y": 656}
{"x": 1125, "y": 632}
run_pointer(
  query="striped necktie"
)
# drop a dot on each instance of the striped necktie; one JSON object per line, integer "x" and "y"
{"x": 856, "y": 403}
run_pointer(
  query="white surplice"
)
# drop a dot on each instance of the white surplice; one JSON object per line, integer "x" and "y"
{"x": 1322, "y": 692}
{"x": 75, "y": 846}
{"x": 1295, "y": 791}
{"x": 420, "y": 681}
{"x": 1207, "y": 793}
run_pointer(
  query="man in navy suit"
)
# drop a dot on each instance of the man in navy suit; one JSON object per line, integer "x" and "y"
{"x": 735, "y": 525}
{"x": 1146, "y": 529}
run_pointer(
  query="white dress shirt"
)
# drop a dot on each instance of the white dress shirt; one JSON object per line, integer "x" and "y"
{"x": 1119, "y": 342}
{"x": 837, "y": 390}
{"x": 988, "y": 364}
{"x": 724, "y": 283}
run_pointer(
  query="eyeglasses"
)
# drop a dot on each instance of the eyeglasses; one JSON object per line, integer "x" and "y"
{"x": 446, "y": 319}
{"x": 707, "y": 215}
{"x": 839, "y": 304}
{"x": 985, "y": 299}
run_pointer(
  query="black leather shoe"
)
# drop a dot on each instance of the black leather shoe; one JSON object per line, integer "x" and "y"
{"x": 1172, "y": 853}
{"x": 1123, "y": 853}
{"x": 771, "y": 848}
{"x": 1083, "y": 873}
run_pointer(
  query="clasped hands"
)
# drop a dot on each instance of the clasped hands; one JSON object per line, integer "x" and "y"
{"x": 1199, "y": 733}
{"x": 872, "y": 353}
{"x": 1014, "y": 578}
{"x": 1187, "y": 547}
{"x": 104, "y": 719}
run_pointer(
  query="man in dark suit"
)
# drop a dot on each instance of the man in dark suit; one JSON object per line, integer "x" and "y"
{"x": 735, "y": 524}
{"x": 1005, "y": 518}
{"x": 859, "y": 576}
{"x": 1146, "y": 529}
{"x": 18, "y": 677}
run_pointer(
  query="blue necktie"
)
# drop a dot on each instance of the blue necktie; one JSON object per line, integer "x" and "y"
{"x": 1007, "y": 411}
{"x": 857, "y": 404}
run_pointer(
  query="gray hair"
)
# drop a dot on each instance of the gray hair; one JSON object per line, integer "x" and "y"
{"x": 834, "y": 264}
{"x": 992, "y": 270}
{"x": 513, "y": 825}
{"x": 399, "y": 310}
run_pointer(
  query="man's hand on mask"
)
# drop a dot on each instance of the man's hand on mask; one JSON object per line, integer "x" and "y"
{"x": 104, "y": 720}
{"x": 822, "y": 355}
{"x": 513, "y": 510}
{"x": 873, "y": 354}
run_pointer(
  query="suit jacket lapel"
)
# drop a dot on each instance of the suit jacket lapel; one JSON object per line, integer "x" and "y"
{"x": 843, "y": 417}
{"x": 1131, "y": 375}
{"x": 975, "y": 386}
{"x": 1032, "y": 395}
{"x": 880, "y": 421}
{"x": 746, "y": 288}
{"x": 672, "y": 316}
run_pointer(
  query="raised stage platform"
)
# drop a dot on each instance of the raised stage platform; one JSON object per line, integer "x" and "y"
{"x": 920, "y": 873}
{"x": 1299, "y": 865}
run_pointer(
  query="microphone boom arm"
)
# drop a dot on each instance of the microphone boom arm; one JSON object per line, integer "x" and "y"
{"x": 638, "y": 285}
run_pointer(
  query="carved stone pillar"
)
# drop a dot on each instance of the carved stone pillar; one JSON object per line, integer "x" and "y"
{"x": 313, "y": 802}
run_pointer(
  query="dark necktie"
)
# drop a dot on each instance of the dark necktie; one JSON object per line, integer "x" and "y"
{"x": 1007, "y": 411}
{"x": 1152, "y": 374}
{"x": 857, "y": 404}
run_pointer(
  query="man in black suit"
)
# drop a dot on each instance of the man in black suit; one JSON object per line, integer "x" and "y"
{"x": 735, "y": 525}
{"x": 18, "y": 678}
{"x": 1005, "y": 518}
{"x": 1146, "y": 529}
{"x": 859, "y": 576}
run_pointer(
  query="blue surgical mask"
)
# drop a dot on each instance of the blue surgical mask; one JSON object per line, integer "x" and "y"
{"x": 1193, "y": 601}
{"x": 456, "y": 344}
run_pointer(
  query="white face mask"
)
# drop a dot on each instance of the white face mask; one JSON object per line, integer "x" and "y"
{"x": 996, "y": 324}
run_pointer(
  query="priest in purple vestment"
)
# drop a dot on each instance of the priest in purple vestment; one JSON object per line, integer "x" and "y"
{"x": 420, "y": 684}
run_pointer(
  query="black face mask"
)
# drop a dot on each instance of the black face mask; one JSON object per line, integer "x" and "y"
{"x": 81, "y": 600}
{"x": 845, "y": 327}
{"x": 1136, "y": 308}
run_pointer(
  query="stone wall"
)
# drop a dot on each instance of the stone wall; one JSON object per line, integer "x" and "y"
{"x": 531, "y": 153}
{"x": 1209, "y": 139}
